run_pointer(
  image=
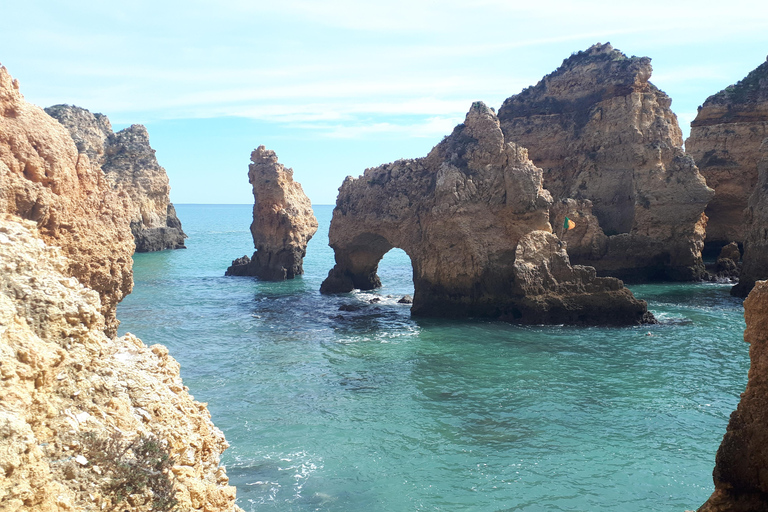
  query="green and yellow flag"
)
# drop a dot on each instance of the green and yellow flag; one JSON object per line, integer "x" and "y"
{"x": 568, "y": 224}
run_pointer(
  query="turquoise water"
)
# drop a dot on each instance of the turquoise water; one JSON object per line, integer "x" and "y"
{"x": 371, "y": 410}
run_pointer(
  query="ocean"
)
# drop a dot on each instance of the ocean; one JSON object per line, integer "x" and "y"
{"x": 372, "y": 410}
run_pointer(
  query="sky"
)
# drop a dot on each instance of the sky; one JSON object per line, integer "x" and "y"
{"x": 337, "y": 86}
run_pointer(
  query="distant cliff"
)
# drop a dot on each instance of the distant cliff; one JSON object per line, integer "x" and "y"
{"x": 129, "y": 163}
{"x": 607, "y": 140}
{"x": 283, "y": 221}
{"x": 725, "y": 142}
{"x": 474, "y": 219}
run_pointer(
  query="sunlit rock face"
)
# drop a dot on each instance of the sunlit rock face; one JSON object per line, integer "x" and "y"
{"x": 130, "y": 165}
{"x": 741, "y": 464}
{"x": 755, "y": 266}
{"x": 606, "y": 137}
{"x": 474, "y": 219}
{"x": 44, "y": 178}
{"x": 725, "y": 142}
{"x": 283, "y": 221}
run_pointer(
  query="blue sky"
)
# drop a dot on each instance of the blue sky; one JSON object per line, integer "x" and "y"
{"x": 337, "y": 86}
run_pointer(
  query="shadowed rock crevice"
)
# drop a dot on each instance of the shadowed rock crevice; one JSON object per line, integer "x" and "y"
{"x": 474, "y": 219}
{"x": 607, "y": 140}
{"x": 283, "y": 221}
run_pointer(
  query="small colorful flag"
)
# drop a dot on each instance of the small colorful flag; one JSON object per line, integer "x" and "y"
{"x": 568, "y": 224}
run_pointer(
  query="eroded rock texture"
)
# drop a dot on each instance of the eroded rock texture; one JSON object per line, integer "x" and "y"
{"x": 66, "y": 386}
{"x": 755, "y": 259}
{"x": 741, "y": 465}
{"x": 130, "y": 165}
{"x": 45, "y": 179}
{"x": 605, "y": 137}
{"x": 725, "y": 142}
{"x": 283, "y": 221}
{"x": 474, "y": 219}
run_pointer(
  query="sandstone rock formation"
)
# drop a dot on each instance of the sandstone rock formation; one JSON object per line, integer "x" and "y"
{"x": 130, "y": 165}
{"x": 283, "y": 221}
{"x": 43, "y": 178}
{"x": 725, "y": 142}
{"x": 742, "y": 459}
{"x": 606, "y": 138}
{"x": 65, "y": 386}
{"x": 474, "y": 219}
{"x": 755, "y": 259}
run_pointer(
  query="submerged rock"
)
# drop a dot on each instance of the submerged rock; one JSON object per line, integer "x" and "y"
{"x": 742, "y": 459}
{"x": 755, "y": 259}
{"x": 725, "y": 142}
{"x": 130, "y": 165}
{"x": 46, "y": 179}
{"x": 606, "y": 139}
{"x": 474, "y": 219}
{"x": 283, "y": 221}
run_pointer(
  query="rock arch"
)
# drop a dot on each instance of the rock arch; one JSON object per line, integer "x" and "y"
{"x": 474, "y": 219}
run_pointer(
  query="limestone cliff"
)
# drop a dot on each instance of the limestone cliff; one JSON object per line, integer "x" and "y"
{"x": 45, "y": 179}
{"x": 67, "y": 391}
{"x": 755, "y": 265}
{"x": 474, "y": 219}
{"x": 725, "y": 142}
{"x": 130, "y": 165}
{"x": 742, "y": 459}
{"x": 605, "y": 137}
{"x": 283, "y": 221}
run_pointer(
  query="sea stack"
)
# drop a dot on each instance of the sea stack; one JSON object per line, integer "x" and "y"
{"x": 611, "y": 151}
{"x": 474, "y": 219}
{"x": 725, "y": 142}
{"x": 73, "y": 395}
{"x": 742, "y": 459}
{"x": 755, "y": 260}
{"x": 283, "y": 221}
{"x": 130, "y": 165}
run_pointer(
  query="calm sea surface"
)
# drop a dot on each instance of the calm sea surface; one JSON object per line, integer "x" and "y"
{"x": 372, "y": 410}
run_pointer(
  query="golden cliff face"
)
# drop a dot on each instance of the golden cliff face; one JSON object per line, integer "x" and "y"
{"x": 66, "y": 386}
{"x": 46, "y": 180}
{"x": 725, "y": 142}
{"x": 606, "y": 138}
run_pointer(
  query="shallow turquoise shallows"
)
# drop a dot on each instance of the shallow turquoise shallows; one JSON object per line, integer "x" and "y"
{"x": 371, "y": 410}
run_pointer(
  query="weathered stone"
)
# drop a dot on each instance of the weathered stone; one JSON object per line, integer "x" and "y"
{"x": 45, "y": 179}
{"x": 755, "y": 259}
{"x": 603, "y": 133}
{"x": 474, "y": 219}
{"x": 725, "y": 142}
{"x": 283, "y": 221}
{"x": 741, "y": 464}
{"x": 130, "y": 165}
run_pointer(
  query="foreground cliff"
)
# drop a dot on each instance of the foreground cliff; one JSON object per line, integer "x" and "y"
{"x": 742, "y": 460}
{"x": 474, "y": 219}
{"x": 725, "y": 142}
{"x": 610, "y": 148}
{"x": 67, "y": 391}
{"x": 755, "y": 266}
{"x": 130, "y": 165}
{"x": 45, "y": 179}
{"x": 283, "y": 221}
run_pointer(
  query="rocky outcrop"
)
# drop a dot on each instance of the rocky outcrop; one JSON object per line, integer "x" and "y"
{"x": 45, "y": 179}
{"x": 67, "y": 391}
{"x": 605, "y": 137}
{"x": 725, "y": 142}
{"x": 474, "y": 219}
{"x": 283, "y": 221}
{"x": 755, "y": 259}
{"x": 742, "y": 459}
{"x": 130, "y": 165}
